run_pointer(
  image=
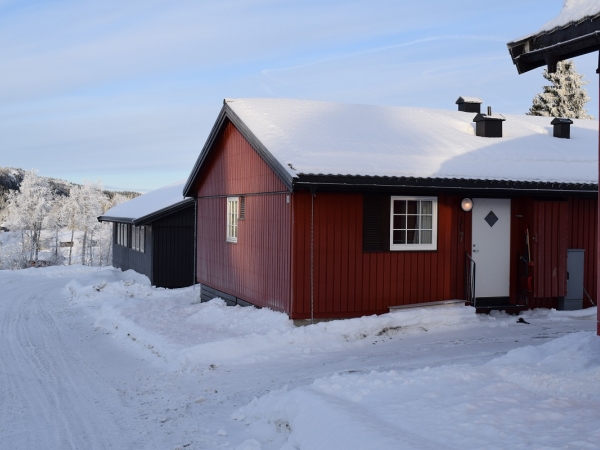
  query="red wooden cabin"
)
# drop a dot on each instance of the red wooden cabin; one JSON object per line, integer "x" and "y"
{"x": 323, "y": 210}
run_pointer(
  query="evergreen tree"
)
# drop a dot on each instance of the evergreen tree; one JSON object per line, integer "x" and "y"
{"x": 565, "y": 98}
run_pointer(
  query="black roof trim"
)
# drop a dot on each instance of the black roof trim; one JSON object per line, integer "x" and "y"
{"x": 227, "y": 113}
{"x": 149, "y": 218}
{"x": 550, "y": 47}
{"x": 374, "y": 183}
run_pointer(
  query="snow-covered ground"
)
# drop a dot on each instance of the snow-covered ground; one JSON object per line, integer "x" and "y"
{"x": 97, "y": 358}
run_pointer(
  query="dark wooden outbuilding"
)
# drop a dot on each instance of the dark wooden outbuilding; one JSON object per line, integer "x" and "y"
{"x": 275, "y": 233}
{"x": 154, "y": 235}
{"x": 575, "y": 32}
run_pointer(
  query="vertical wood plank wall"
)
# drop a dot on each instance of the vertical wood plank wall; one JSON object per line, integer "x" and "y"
{"x": 583, "y": 234}
{"x": 551, "y": 239}
{"x": 235, "y": 168}
{"x": 173, "y": 249}
{"x": 554, "y": 227}
{"x": 349, "y": 282}
{"x": 257, "y": 267}
{"x": 126, "y": 258}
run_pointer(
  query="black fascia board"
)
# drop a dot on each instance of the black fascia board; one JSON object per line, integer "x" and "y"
{"x": 343, "y": 183}
{"x": 149, "y": 218}
{"x": 548, "y": 48}
{"x": 128, "y": 220}
{"x": 228, "y": 114}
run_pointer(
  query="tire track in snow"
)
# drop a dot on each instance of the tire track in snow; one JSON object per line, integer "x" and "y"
{"x": 51, "y": 395}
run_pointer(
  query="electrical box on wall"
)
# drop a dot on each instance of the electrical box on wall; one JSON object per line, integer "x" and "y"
{"x": 573, "y": 299}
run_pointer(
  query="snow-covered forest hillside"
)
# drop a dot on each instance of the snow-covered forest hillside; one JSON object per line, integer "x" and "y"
{"x": 47, "y": 221}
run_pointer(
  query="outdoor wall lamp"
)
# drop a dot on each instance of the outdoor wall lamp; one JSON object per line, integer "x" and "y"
{"x": 466, "y": 204}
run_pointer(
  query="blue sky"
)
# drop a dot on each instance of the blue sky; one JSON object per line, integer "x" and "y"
{"x": 127, "y": 92}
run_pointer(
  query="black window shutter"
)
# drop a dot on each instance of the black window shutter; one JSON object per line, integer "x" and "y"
{"x": 376, "y": 218}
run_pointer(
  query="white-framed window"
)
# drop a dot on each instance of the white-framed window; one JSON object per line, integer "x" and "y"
{"x": 138, "y": 237}
{"x": 122, "y": 234}
{"x": 413, "y": 223}
{"x": 232, "y": 218}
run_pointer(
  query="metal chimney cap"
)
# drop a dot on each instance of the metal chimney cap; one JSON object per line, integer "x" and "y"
{"x": 482, "y": 117}
{"x": 560, "y": 121}
{"x": 468, "y": 100}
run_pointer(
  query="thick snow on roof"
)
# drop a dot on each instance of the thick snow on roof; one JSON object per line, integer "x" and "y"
{"x": 574, "y": 11}
{"x": 149, "y": 203}
{"x": 310, "y": 137}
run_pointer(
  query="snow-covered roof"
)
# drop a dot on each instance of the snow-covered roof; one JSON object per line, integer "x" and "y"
{"x": 313, "y": 137}
{"x": 573, "y": 12}
{"x": 147, "y": 205}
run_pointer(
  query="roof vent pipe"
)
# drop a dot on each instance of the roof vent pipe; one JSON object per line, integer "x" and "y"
{"x": 469, "y": 104}
{"x": 489, "y": 125}
{"x": 562, "y": 128}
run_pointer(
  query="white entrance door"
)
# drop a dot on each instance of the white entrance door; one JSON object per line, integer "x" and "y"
{"x": 491, "y": 246}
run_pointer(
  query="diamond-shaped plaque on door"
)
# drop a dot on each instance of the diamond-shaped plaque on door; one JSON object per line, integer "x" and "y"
{"x": 491, "y": 218}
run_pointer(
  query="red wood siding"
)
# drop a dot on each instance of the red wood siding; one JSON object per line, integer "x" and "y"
{"x": 349, "y": 282}
{"x": 234, "y": 167}
{"x": 549, "y": 249}
{"x": 257, "y": 267}
{"x": 522, "y": 220}
{"x": 554, "y": 227}
{"x": 583, "y": 234}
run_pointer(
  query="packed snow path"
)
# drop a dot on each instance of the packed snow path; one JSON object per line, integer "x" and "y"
{"x": 98, "y": 359}
{"x": 62, "y": 384}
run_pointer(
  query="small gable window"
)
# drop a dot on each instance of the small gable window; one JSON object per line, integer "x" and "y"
{"x": 232, "y": 218}
{"x": 413, "y": 223}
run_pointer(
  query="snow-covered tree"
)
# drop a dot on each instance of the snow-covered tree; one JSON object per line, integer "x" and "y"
{"x": 566, "y": 97}
{"x": 54, "y": 222}
{"x": 84, "y": 205}
{"x": 26, "y": 211}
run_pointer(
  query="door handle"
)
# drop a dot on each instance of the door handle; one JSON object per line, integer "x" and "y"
{"x": 475, "y": 251}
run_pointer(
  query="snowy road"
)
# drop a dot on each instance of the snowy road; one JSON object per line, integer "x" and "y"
{"x": 61, "y": 382}
{"x": 112, "y": 363}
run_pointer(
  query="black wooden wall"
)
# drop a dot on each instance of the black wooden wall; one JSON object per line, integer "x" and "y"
{"x": 173, "y": 249}
{"x": 168, "y": 259}
{"x": 126, "y": 258}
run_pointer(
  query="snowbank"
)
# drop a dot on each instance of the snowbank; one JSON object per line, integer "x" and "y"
{"x": 189, "y": 334}
{"x": 532, "y": 397}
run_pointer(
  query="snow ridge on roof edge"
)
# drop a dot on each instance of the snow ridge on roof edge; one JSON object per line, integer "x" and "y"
{"x": 573, "y": 22}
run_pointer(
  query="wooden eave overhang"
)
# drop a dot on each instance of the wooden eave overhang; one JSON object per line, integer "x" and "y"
{"x": 225, "y": 115}
{"x": 149, "y": 218}
{"x": 550, "y": 47}
{"x": 447, "y": 185}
